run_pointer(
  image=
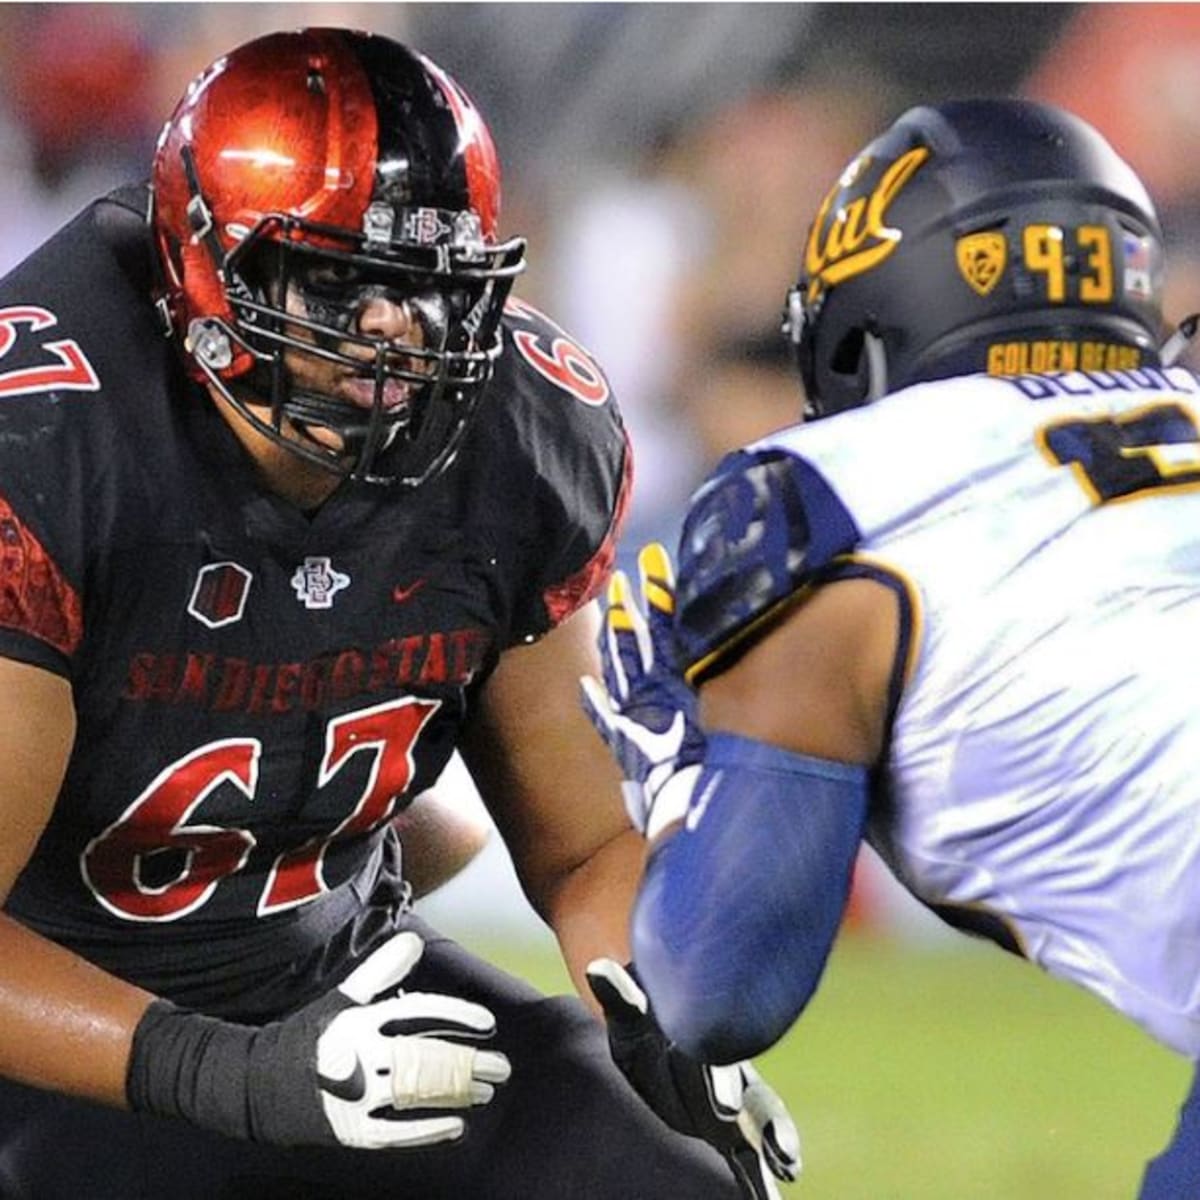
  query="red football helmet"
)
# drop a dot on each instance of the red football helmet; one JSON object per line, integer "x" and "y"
{"x": 301, "y": 175}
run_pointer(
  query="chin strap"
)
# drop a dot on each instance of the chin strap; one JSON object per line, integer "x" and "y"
{"x": 199, "y": 214}
{"x": 1177, "y": 343}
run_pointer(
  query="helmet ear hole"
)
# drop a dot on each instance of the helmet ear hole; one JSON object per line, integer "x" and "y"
{"x": 850, "y": 378}
{"x": 848, "y": 354}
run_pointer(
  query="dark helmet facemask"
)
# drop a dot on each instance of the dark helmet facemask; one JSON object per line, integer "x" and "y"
{"x": 422, "y": 395}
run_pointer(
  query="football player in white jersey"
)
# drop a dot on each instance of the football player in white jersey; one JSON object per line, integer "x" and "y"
{"x": 956, "y": 618}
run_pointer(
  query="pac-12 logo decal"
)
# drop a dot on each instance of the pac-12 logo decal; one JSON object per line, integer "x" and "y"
{"x": 68, "y": 368}
{"x": 981, "y": 258}
{"x": 219, "y": 597}
{"x": 316, "y": 582}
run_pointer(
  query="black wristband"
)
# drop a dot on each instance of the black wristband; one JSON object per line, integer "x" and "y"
{"x": 245, "y": 1082}
{"x": 187, "y": 1065}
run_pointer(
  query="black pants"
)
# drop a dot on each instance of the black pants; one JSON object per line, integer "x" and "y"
{"x": 564, "y": 1127}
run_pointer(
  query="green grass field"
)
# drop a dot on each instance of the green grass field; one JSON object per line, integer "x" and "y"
{"x": 957, "y": 1073}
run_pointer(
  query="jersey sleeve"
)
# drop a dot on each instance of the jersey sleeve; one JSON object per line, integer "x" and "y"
{"x": 59, "y": 324}
{"x": 41, "y": 609}
{"x": 41, "y": 533}
{"x": 580, "y": 464}
{"x": 765, "y": 525}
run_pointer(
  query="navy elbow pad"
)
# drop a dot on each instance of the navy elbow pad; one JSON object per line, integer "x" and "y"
{"x": 738, "y": 910}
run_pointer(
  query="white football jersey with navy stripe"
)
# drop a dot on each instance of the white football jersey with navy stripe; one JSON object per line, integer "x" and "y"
{"x": 1045, "y": 755}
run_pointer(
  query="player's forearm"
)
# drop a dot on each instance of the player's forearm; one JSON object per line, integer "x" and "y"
{"x": 588, "y": 907}
{"x": 739, "y": 908}
{"x": 65, "y": 1024}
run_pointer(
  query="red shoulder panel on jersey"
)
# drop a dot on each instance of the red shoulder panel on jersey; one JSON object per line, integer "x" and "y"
{"x": 573, "y": 593}
{"x": 35, "y": 598}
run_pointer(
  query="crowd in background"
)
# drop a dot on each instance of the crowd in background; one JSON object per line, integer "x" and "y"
{"x": 663, "y": 160}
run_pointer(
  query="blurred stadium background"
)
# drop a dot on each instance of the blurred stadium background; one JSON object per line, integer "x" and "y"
{"x": 664, "y": 161}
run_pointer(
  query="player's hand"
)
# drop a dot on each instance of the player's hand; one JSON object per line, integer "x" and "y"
{"x": 367, "y": 1065}
{"x": 387, "y": 1053}
{"x": 730, "y": 1107}
{"x": 644, "y": 710}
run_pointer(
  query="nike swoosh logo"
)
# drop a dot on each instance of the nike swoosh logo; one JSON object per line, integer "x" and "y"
{"x": 658, "y": 747}
{"x": 695, "y": 812}
{"x": 351, "y": 1089}
{"x": 400, "y": 593}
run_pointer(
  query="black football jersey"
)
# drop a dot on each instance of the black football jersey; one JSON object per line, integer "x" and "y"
{"x": 258, "y": 691}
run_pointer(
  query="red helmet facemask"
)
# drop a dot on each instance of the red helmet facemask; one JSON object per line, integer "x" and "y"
{"x": 305, "y": 182}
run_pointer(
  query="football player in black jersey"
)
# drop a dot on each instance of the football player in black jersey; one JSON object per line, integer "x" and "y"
{"x": 295, "y": 500}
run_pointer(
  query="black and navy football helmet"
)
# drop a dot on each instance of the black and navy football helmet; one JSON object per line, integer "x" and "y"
{"x": 988, "y": 235}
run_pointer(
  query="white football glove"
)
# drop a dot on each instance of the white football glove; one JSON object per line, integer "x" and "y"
{"x": 645, "y": 711}
{"x": 390, "y": 1053}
